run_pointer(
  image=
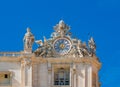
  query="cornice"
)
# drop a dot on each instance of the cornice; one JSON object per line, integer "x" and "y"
{"x": 10, "y": 59}
{"x": 35, "y": 60}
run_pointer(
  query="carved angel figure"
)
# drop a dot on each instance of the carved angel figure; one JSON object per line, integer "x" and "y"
{"x": 79, "y": 50}
{"x": 92, "y": 45}
{"x": 44, "y": 48}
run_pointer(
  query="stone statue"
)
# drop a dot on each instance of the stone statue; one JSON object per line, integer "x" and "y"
{"x": 40, "y": 51}
{"x": 92, "y": 45}
{"x": 28, "y": 39}
{"x": 82, "y": 49}
{"x": 85, "y": 49}
{"x": 79, "y": 50}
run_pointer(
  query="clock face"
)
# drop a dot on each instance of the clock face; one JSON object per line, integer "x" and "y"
{"x": 62, "y": 46}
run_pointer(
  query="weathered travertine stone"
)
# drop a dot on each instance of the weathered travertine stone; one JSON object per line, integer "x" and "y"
{"x": 60, "y": 61}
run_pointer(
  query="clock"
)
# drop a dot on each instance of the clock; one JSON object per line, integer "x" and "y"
{"x": 62, "y": 46}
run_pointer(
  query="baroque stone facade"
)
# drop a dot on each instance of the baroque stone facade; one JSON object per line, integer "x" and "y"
{"x": 60, "y": 61}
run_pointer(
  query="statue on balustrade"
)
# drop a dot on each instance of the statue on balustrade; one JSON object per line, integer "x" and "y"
{"x": 28, "y": 39}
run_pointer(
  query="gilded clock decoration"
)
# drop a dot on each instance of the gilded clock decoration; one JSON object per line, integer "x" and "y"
{"x": 62, "y": 46}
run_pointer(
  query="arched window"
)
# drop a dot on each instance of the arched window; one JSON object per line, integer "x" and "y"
{"x": 61, "y": 76}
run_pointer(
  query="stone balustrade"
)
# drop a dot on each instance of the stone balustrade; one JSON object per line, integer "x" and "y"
{"x": 10, "y": 54}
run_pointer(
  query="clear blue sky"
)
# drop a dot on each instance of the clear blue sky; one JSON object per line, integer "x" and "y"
{"x": 100, "y": 18}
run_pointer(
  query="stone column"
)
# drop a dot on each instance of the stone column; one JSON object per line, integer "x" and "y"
{"x": 49, "y": 75}
{"x": 74, "y": 79}
{"x": 35, "y": 75}
{"x": 79, "y": 82}
{"x": 29, "y": 76}
{"x": 22, "y": 74}
{"x": 49, "y": 78}
{"x": 74, "y": 75}
{"x": 97, "y": 80}
{"x": 81, "y": 75}
{"x": 52, "y": 75}
{"x": 71, "y": 73}
{"x": 39, "y": 70}
{"x": 26, "y": 73}
{"x": 11, "y": 78}
{"x": 78, "y": 76}
{"x": 89, "y": 76}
